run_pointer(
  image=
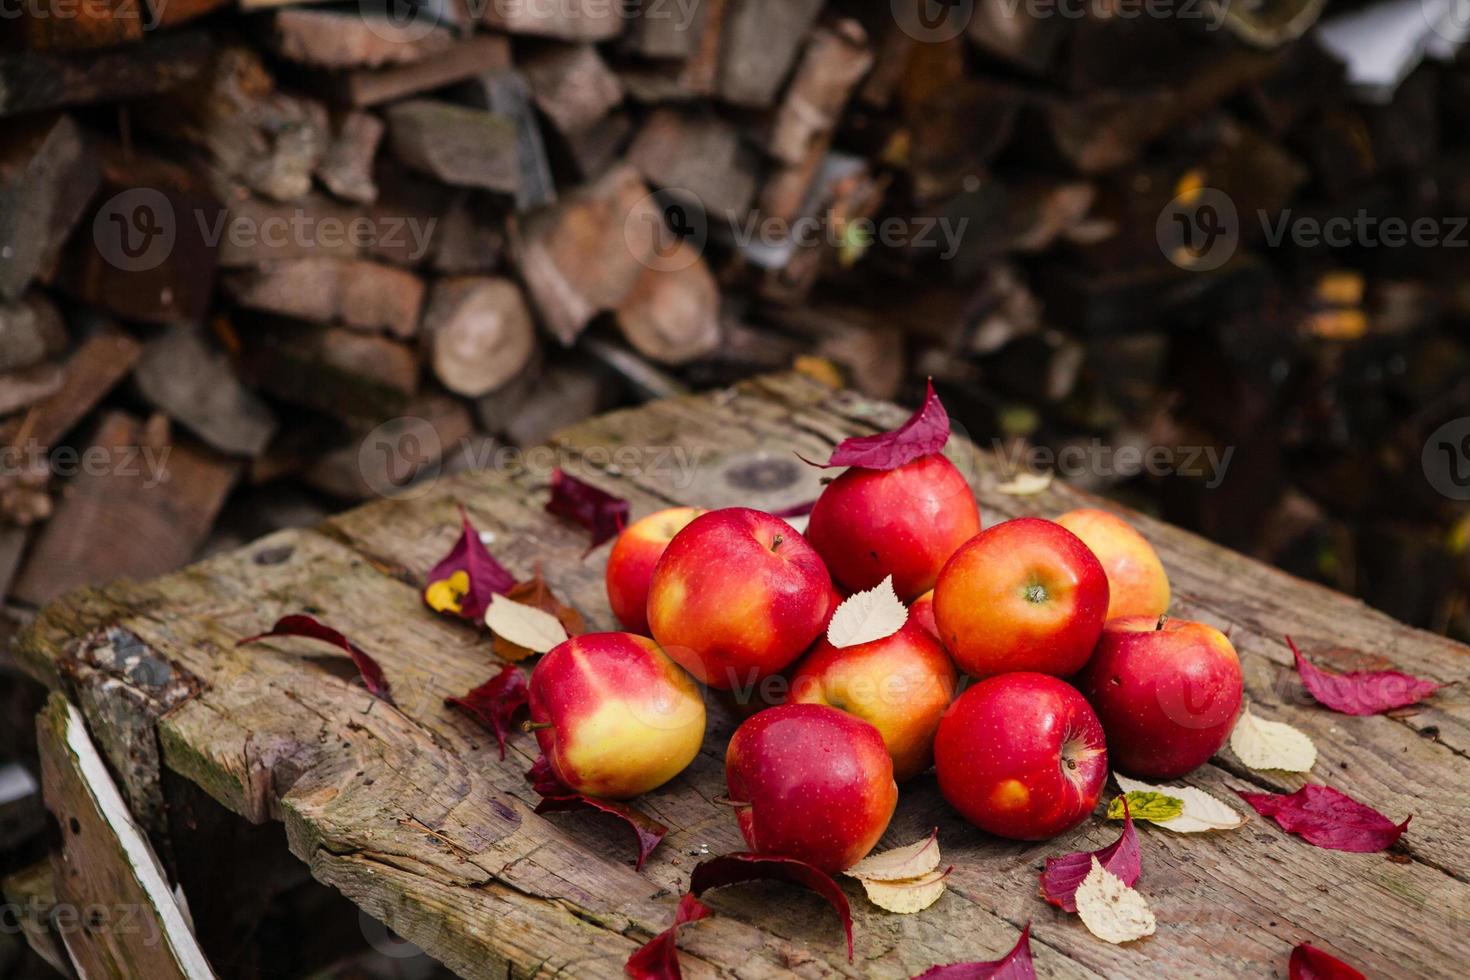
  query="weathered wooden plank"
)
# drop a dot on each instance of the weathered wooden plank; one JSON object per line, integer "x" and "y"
{"x": 411, "y": 814}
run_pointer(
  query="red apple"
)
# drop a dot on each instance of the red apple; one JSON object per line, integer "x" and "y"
{"x": 904, "y": 522}
{"x": 1021, "y": 756}
{"x": 921, "y": 613}
{"x": 737, "y": 596}
{"x": 1137, "y": 582}
{"x": 614, "y": 716}
{"x": 1166, "y": 693}
{"x": 810, "y": 782}
{"x": 634, "y": 555}
{"x": 1023, "y": 595}
{"x": 900, "y": 685}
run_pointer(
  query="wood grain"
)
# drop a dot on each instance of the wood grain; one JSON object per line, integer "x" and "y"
{"x": 410, "y": 813}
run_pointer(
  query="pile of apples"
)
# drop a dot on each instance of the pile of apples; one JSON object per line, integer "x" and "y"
{"x": 1059, "y": 625}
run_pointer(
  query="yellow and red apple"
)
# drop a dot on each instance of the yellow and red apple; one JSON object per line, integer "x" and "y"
{"x": 613, "y": 715}
{"x": 1137, "y": 582}
{"x": 631, "y": 562}
{"x": 905, "y": 522}
{"x": 921, "y": 614}
{"x": 900, "y": 685}
{"x": 1166, "y": 692}
{"x": 1025, "y": 594}
{"x": 1021, "y": 755}
{"x": 737, "y": 596}
{"x": 810, "y": 782}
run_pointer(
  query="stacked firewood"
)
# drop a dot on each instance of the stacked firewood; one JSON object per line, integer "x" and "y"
{"x": 251, "y": 234}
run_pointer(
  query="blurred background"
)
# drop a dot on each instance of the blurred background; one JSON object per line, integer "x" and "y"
{"x": 263, "y": 260}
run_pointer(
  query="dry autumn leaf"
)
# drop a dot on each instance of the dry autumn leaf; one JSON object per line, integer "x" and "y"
{"x": 867, "y": 616}
{"x": 1025, "y": 484}
{"x": 1202, "y": 812}
{"x": 909, "y": 895}
{"x": 525, "y": 626}
{"x": 1262, "y": 744}
{"x": 1111, "y": 910}
{"x": 909, "y": 861}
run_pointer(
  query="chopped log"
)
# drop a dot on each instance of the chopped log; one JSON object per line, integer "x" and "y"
{"x": 1028, "y": 43}
{"x": 92, "y": 371}
{"x": 457, "y": 145}
{"x": 567, "y": 392}
{"x": 31, "y": 81}
{"x": 106, "y": 863}
{"x": 152, "y": 252}
{"x": 407, "y": 215}
{"x": 31, "y": 331}
{"x": 139, "y": 505}
{"x": 508, "y": 94}
{"x": 256, "y": 231}
{"x": 597, "y": 148}
{"x": 341, "y": 372}
{"x": 28, "y": 385}
{"x": 665, "y": 30}
{"x": 267, "y": 140}
{"x": 391, "y": 458}
{"x": 698, "y": 155}
{"x": 479, "y": 333}
{"x": 347, "y": 166}
{"x": 568, "y": 20}
{"x": 470, "y": 238}
{"x": 48, "y": 171}
{"x": 573, "y": 86}
{"x": 582, "y": 256}
{"x": 360, "y": 39}
{"x": 54, "y": 25}
{"x": 672, "y": 314}
{"x": 864, "y": 344}
{"x": 466, "y": 59}
{"x": 893, "y": 47}
{"x": 834, "y": 61}
{"x": 355, "y": 292}
{"x": 701, "y": 72}
{"x": 194, "y": 383}
{"x": 172, "y": 13}
{"x": 759, "y": 42}
{"x": 644, "y": 380}
{"x": 655, "y": 84}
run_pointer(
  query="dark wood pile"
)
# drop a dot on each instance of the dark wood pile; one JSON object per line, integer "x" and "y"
{"x": 249, "y": 234}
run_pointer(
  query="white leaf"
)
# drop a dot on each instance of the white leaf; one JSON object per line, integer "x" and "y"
{"x": 1202, "y": 811}
{"x": 1262, "y": 744}
{"x": 909, "y": 861}
{"x": 1025, "y": 484}
{"x": 867, "y": 616}
{"x": 909, "y": 895}
{"x": 1111, "y": 910}
{"x": 525, "y": 626}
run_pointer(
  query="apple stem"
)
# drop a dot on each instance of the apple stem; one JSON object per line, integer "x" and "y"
{"x": 1160, "y": 624}
{"x": 534, "y": 726}
{"x": 776, "y": 543}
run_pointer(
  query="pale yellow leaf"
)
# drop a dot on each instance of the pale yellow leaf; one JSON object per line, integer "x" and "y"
{"x": 909, "y": 861}
{"x": 909, "y": 895}
{"x": 524, "y": 625}
{"x": 1262, "y": 744}
{"x": 867, "y": 616}
{"x": 1025, "y": 484}
{"x": 1111, "y": 910}
{"x": 1202, "y": 812}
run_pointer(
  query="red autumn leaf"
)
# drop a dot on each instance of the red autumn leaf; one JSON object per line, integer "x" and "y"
{"x": 484, "y": 576}
{"x": 732, "y": 869}
{"x": 495, "y": 702}
{"x": 1063, "y": 874}
{"x": 596, "y": 510}
{"x": 300, "y": 625}
{"x": 556, "y": 797}
{"x": 658, "y": 959}
{"x": 1015, "y": 965}
{"x": 1310, "y": 963}
{"x": 1328, "y": 818}
{"x": 1362, "y": 692}
{"x": 926, "y": 432}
